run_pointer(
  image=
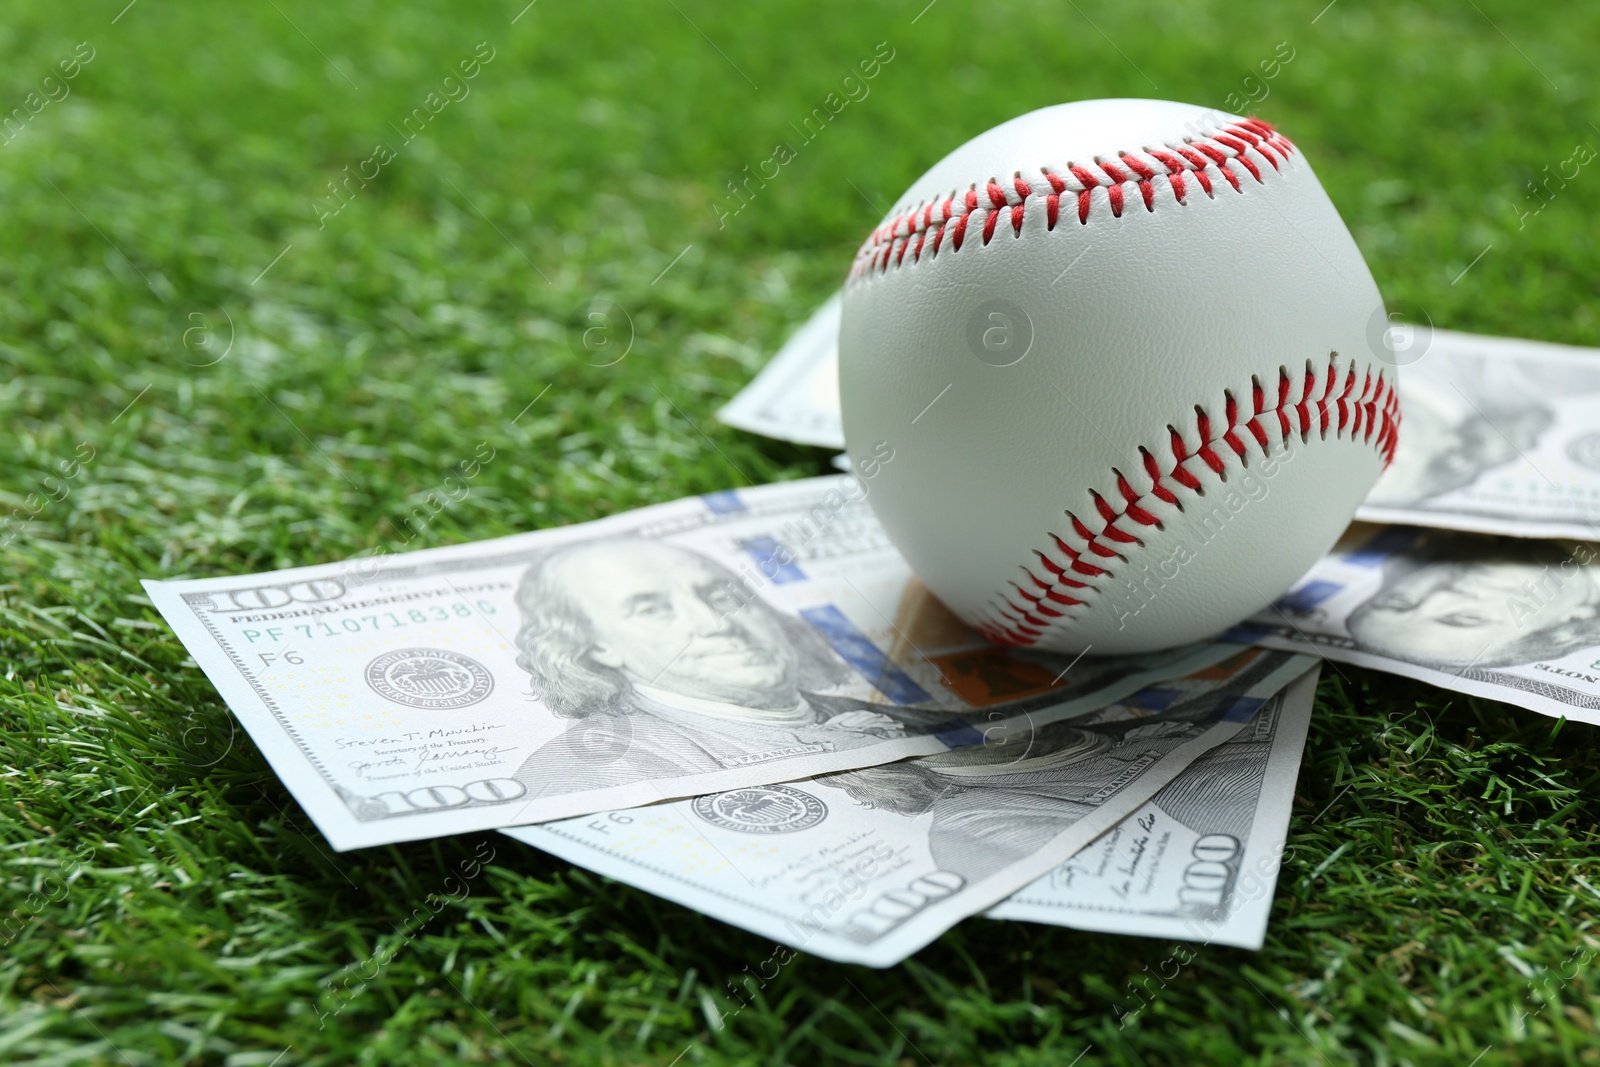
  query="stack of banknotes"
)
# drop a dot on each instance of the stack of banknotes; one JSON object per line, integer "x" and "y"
{"x": 745, "y": 702}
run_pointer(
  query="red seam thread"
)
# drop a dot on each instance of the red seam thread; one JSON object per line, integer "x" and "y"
{"x": 1199, "y": 157}
{"x": 1372, "y": 418}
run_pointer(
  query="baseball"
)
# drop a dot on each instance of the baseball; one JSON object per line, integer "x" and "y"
{"x": 1121, "y": 351}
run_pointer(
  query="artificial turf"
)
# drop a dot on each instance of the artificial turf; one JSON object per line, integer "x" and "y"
{"x": 237, "y": 378}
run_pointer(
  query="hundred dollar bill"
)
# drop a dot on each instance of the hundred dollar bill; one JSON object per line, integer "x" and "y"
{"x": 795, "y": 397}
{"x": 1199, "y": 861}
{"x": 1500, "y": 435}
{"x": 1506, "y": 618}
{"x": 728, "y": 640}
{"x": 868, "y": 866}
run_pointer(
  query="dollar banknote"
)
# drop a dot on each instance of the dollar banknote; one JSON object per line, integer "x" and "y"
{"x": 867, "y": 866}
{"x": 1500, "y": 435}
{"x": 1506, "y": 618}
{"x": 729, "y": 640}
{"x": 796, "y": 395}
{"x": 1198, "y": 861}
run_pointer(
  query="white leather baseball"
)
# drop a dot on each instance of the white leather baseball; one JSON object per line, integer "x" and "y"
{"x": 1120, "y": 349}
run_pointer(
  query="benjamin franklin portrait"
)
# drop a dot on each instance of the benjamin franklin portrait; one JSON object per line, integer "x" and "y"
{"x": 1470, "y": 415}
{"x": 667, "y": 664}
{"x": 1452, "y": 601}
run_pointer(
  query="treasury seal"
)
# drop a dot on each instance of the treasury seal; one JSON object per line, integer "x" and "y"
{"x": 766, "y": 809}
{"x": 429, "y": 678}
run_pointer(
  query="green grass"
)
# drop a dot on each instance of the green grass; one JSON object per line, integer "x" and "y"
{"x": 163, "y": 900}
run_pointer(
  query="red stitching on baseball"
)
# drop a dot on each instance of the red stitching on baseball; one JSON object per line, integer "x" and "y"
{"x": 1377, "y": 406}
{"x": 1200, "y": 157}
{"x": 1143, "y": 170}
{"x": 1233, "y": 179}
